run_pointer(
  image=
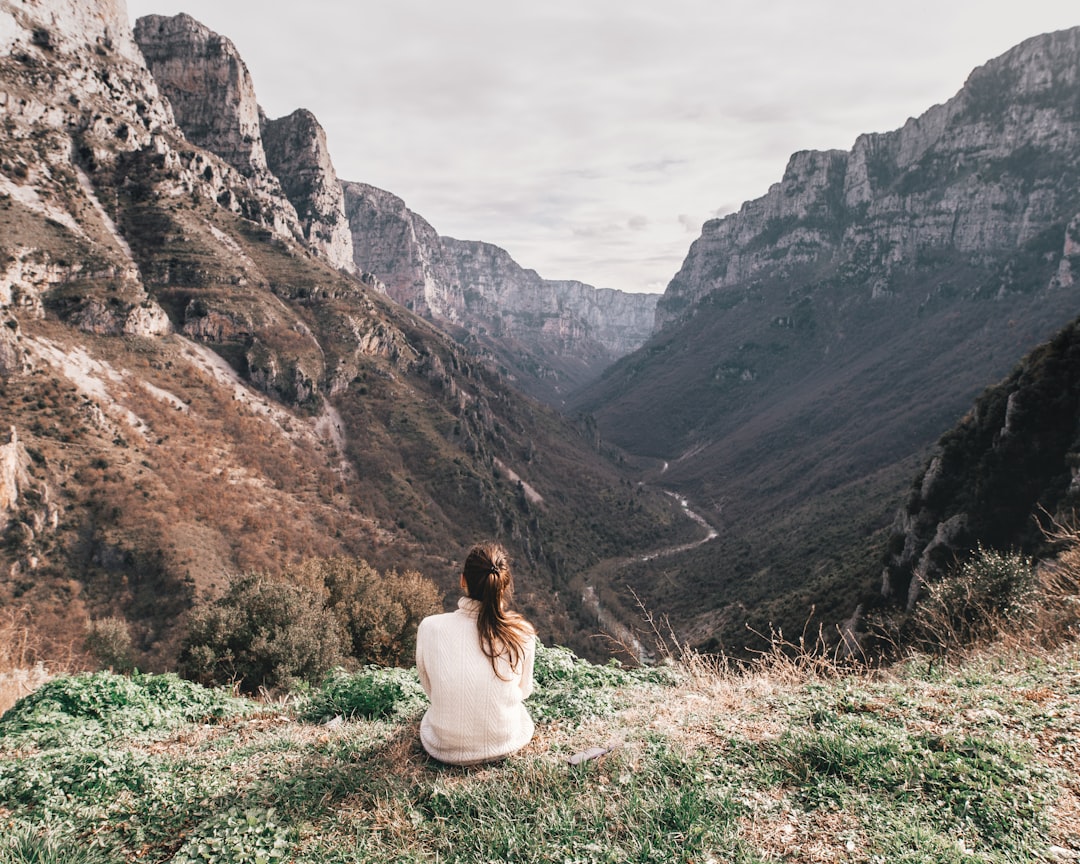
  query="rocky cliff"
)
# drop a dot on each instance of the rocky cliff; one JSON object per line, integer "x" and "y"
{"x": 987, "y": 172}
{"x": 297, "y": 154}
{"x": 550, "y": 336}
{"x": 815, "y": 345}
{"x": 1009, "y": 466}
{"x": 189, "y": 393}
{"x": 208, "y": 85}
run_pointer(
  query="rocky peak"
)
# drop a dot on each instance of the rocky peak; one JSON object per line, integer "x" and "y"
{"x": 209, "y": 86}
{"x": 400, "y": 248}
{"x": 297, "y": 154}
{"x": 983, "y": 174}
{"x": 555, "y": 334}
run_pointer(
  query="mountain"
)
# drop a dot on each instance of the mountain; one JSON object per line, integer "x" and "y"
{"x": 548, "y": 337}
{"x": 816, "y": 343}
{"x": 192, "y": 382}
{"x": 999, "y": 477}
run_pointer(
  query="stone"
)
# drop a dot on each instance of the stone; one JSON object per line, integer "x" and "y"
{"x": 297, "y": 154}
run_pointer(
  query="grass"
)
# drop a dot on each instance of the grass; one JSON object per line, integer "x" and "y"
{"x": 976, "y": 761}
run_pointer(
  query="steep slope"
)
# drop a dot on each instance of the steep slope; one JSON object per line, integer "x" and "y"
{"x": 190, "y": 390}
{"x": 816, "y": 342}
{"x": 548, "y": 336}
{"x": 1008, "y": 467}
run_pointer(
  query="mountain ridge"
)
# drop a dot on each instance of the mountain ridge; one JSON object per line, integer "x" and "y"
{"x": 816, "y": 343}
{"x": 197, "y": 392}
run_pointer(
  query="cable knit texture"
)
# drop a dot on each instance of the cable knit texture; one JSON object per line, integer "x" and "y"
{"x": 474, "y": 715}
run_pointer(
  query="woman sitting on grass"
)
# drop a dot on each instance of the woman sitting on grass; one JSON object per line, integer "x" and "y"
{"x": 476, "y": 666}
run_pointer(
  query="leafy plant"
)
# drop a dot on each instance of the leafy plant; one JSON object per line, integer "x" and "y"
{"x": 96, "y": 706}
{"x": 253, "y": 836}
{"x": 569, "y": 688}
{"x": 262, "y": 632}
{"x": 372, "y": 693}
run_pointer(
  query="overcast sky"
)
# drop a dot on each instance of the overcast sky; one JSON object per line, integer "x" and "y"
{"x": 591, "y": 138}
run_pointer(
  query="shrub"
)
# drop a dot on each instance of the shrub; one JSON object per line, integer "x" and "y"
{"x": 989, "y": 594}
{"x": 372, "y": 693}
{"x": 97, "y": 706}
{"x": 261, "y": 633}
{"x": 380, "y": 613}
{"x": 108, "y": 641}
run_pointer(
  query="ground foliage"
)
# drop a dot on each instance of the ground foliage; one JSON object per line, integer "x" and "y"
{"x": 927, "y": 763}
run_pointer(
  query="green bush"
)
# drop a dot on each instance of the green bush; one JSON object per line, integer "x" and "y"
{"x": 101, "y": 705}
{"x": 262, "y": 633}
{"x": 989, "y": 594}
{"x": 108, "y": 641}
{"x": 380, "y": 613}
{"x": 372, "y": 693}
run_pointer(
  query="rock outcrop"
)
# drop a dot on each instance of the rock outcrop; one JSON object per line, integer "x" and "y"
{"x": 1008, "y": 467}
{"x": 987, "y": 171}
{"x": 64, "y": 25}
{"x": 552, "y": 335}
{"x": 208, "y": 86}
{"x": 296, "y": 152}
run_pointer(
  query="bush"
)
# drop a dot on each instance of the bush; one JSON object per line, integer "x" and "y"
{"x": 108, "y": 641}
{"x": 990, "y": 594}
{"x": 380, "y": 613}
{"x": 372, "y": 693}
{"x": 262, "y": 633}
{"x": 101, "y": 705}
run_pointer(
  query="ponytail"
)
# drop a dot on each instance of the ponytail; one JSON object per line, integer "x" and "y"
{"x": 503, "y": 633}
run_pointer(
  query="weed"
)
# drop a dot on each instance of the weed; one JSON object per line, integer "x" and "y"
{"x": 96, "y": 707}
{"x": 372, "y": 693}
{"x": 253, "y": 836}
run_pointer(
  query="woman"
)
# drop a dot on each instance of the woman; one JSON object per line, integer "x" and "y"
{"x": 476, "y": 666}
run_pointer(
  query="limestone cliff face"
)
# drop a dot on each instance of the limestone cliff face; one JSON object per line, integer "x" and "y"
{"x": 64, "y": 25}
{"x": 980, "y": 175}
{"x": 555, "y": 334}
{"x": 296, "y": 152}
{"x": 497, "y": 292}
{"x": 400, "y": 248}
{"x": 208, "y": 85}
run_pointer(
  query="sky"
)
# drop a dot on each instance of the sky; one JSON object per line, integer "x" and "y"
{"x": 592, "y": 138}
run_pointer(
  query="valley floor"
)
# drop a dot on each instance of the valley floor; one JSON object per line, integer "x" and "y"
{"x": 978, "y": 761}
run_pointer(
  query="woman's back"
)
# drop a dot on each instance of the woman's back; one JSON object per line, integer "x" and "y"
{"x": 475, "y": 714}
{"x": 476, "y": 667}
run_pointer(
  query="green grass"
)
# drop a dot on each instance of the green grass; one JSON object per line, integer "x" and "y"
{"x": 925, "y": 763}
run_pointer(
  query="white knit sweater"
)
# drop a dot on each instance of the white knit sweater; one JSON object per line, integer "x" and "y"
{"x": 474, "y": 715}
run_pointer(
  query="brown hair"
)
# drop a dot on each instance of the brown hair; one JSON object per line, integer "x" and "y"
{"x": 503, "y": 632}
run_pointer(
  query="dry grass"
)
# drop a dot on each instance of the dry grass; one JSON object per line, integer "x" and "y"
{"x": 21, "y": 672}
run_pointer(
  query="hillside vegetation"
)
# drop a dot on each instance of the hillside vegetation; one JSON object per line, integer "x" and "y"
{"x": 923, "y": 763}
